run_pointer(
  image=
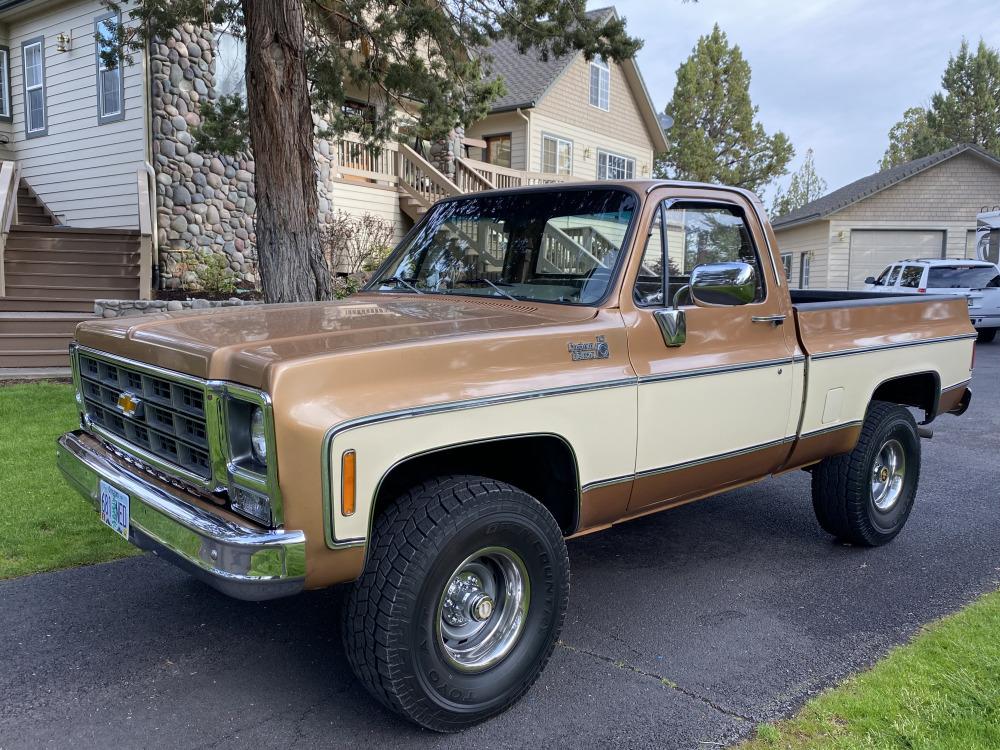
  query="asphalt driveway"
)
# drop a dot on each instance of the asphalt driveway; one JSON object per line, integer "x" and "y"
{"x": 685, "y": 629}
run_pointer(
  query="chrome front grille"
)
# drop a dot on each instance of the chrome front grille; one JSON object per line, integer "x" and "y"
{"x": 169, "y": 423}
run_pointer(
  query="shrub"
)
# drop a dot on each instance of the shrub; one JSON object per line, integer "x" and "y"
{"x": 356, "y": 244}
{"x": 212, "y": 273}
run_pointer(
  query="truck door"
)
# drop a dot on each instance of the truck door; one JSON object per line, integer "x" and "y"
{"x": 714, "y": 411}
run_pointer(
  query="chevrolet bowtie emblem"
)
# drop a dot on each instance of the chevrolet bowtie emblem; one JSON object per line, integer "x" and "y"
{"x": 129, "y": 405}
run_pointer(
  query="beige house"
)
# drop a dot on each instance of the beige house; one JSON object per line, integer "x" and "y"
{"x": 569, "y": 116}
{"x": 922, "y": 209}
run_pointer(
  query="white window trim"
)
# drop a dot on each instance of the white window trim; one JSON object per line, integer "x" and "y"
{"x": 557, "y": 140}
{"x": 786, "y": 261}
{"x": 609, "y": 155}
{"x": 39, "y": 42}
{"x": 119, "y": 114}
{"x": 603, "y": 84}
{"x": 6, "y": 114}
{"x": 804, "y": 269}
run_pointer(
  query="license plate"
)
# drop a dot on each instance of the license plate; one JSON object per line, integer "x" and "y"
{"x": 114, "y": 508}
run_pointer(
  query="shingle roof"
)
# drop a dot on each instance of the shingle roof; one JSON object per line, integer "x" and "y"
{"x": 866, "y": 186}
{"x": 527, "y": 76}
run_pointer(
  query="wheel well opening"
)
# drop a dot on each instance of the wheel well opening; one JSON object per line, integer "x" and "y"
{"x": 541, "y": 465}
{"x": 921, "y": 390}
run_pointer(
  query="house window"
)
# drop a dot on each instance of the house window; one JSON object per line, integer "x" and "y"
{"x": 498, "y": 149}
{"x": 110, "y": 84}
{"x": 230, "y": 66}
{"x": 33, "y": 60}
{"x": 557, "y": 155}
{"x": 358, "y": 112}
{"x": 600, "y": 84}
{"x": 614, "y": 166}
{"x": 804, "y": 271}
{"x": 786, "y": 261}
{"x": 5, "y": 111}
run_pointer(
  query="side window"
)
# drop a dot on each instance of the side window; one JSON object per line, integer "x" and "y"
{"x": 891, "y": 281}
{"x": 110, "y": 84}
{"x": 33, "y": 80}
{"x": 880, "y": 281}
{"x": 649, "y": 283}
{"x": 5, "y": 111}
{"x": 698, "y": 234}
{"x": 911, "y": 276}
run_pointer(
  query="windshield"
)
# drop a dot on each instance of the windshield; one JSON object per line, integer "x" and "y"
{"x": 962, "y": 277}
{"x": 546, "y": 246}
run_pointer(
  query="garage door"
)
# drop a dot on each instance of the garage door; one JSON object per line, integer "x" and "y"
{"x": 874, "y": 249}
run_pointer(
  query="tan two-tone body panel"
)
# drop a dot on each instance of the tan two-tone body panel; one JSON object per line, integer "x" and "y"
{"x": 392, "y": 376}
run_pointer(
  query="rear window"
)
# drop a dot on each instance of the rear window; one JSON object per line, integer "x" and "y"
{"x": 962, "y": 277}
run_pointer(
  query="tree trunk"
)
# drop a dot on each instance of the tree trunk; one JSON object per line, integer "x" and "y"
{"x": 292, "y": 266}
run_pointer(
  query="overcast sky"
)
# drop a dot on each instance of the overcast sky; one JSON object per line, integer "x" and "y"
{"x": 834, "y": 75}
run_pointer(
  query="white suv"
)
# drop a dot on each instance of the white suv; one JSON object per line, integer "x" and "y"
{"x": 978, "y": 280}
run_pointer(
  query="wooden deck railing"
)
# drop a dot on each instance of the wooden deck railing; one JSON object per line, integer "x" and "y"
{"x": 353, "y": 157}
{"x": 145, "y": 233}
{"x": 420, "y": 179}
{"x": 398, "y": 165}
{"x": 10, "y": 178}
{"x": 505, "y": 177}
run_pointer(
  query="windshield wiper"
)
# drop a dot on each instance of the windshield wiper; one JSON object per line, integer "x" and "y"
{"x": 398, "y": 280}
{"x": 482, "y": 280}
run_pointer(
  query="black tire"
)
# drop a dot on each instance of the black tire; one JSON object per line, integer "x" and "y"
{"x": 986, "y": 335}
{"x": 842, "y": 486}
{"x": 393, "y": 615}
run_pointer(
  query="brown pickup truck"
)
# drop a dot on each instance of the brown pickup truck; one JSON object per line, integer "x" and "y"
{"x": 526, "y": 367}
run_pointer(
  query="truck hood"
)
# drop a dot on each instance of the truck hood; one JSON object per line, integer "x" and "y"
{"x": 240, "y": 344}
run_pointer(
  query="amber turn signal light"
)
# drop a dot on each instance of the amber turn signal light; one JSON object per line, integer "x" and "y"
{"x": 348, "y": 483}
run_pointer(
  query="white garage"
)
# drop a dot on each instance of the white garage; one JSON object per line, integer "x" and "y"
{"x": 871, "y": 250}
{"x": 922, "y": 209}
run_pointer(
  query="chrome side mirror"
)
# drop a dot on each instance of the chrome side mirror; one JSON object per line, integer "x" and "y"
{"x": 723, "y": 284}
{"x": 673, "y": 325}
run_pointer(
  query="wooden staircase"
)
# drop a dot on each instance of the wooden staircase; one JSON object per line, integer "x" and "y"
{"x": 31, "y": 210}
{"x": 53, "y": 275}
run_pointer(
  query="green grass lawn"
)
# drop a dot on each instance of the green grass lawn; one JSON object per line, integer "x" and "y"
{"x": 44, "y": 524}
{"x": 939, "y": 692}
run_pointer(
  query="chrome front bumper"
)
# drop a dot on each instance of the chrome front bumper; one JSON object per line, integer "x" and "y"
{"x": 240, "y": 561}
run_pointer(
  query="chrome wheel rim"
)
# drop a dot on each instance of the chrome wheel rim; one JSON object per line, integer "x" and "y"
{"x": 888, "y": 475}
{"x": 482, "y": 609}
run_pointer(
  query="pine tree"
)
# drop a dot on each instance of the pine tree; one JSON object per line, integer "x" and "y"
{"x": 903, "y": 138}
{"x": 804, "y": 187}
{"x": 966, "y": 110}
{"x": 303, "y": 56}
{"x": 715, "y": 136}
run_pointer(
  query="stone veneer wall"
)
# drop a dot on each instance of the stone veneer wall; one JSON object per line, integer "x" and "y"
{"x": 205, "y": 203}
{"x": 131, "y": 308}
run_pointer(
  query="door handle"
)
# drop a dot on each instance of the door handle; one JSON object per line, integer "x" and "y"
{"x": 776, "y": 320}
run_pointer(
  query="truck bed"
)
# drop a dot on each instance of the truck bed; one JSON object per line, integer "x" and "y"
{"x": 856, "y": 343}
{"x": 834, "y": 321}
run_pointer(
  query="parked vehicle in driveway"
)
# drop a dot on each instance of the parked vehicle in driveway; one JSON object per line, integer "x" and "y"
{"x": 978, "y": 281}
{"x": 527, "y": 366}
{"x": 988, "y": 236}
